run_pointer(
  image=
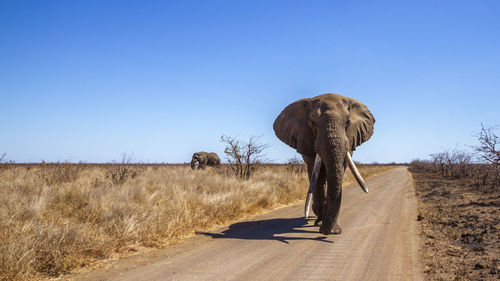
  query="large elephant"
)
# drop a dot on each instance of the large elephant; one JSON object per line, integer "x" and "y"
{"x": 204, "y": 159}
{"x": 325, "y": 130}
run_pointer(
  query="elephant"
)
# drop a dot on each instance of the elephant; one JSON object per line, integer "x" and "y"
{"x": 325, "y": 130}
{"x": 204, "y": 159}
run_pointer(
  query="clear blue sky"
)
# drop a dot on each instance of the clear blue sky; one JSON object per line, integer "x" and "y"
{"x": 89, "y": 80}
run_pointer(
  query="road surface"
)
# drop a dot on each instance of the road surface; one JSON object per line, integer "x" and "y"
{"x": 379, "y": 242}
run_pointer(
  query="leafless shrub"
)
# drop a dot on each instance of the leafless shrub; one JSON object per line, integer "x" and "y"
{"x": 122, "y": 171}
{"x": 487, "y": 148}
{"x": 296, "y": 165}
{"x": 4, "y": 163}
{"x": 243, "y": 158}
{"x": 53, "y": 173}
{"x": 452, "y": 163}
{"x": 458, "y": 165}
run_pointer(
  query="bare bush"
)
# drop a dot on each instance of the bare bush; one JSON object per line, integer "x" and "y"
{"x": 243, "y": 157}
{"x": 120, "y": 172}
{"x": 296, "y": 165}
{"x": 53, "y": 173}
{"x": 452, "y": 163}
{"x": 487, "y": 148}
{"x": 4, "y": 163}
{"x": 457, "y": 165}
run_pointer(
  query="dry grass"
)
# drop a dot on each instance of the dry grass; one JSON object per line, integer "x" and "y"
{"x": 55, "y": 218}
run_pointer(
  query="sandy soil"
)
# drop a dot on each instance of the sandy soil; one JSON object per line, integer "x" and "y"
{"x": 379, "y": 242}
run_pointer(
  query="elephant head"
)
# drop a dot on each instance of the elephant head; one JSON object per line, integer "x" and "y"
{"x": 330, "y": 126}
{"x": 196, "y": 158}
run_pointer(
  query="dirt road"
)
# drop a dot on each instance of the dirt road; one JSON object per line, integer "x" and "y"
{"x": 379, "y": 242}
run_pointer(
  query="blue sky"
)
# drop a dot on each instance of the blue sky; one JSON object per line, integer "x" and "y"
{"x": 90, "y": 80}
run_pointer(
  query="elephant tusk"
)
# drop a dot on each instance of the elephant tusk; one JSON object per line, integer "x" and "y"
{"x": 355, "y": 172}
{"x": 312, "y": 184}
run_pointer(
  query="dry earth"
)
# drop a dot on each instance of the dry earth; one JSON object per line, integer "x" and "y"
{"x": 460, "y": 227}
{"x": 379, "y": 242}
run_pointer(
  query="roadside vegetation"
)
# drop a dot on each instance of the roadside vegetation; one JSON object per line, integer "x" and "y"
{"x": 243, "y": 158}
{"x": 58, "y": 217}
{"x": 459, "y": 211}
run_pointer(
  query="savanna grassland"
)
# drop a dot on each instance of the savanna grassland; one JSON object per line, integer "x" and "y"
{"x": 55, "y": 218}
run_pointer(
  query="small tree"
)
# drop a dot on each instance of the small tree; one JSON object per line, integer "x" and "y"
{"x": 242, "y": 157}
{"x": 487, "y": 149}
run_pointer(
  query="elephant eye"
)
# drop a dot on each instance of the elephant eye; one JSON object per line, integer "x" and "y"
{"x": 348, "y": 123}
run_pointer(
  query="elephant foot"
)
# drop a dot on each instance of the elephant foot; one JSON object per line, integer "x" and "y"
{"x": 317, "y": 222}
{"x": 336, "y": 229}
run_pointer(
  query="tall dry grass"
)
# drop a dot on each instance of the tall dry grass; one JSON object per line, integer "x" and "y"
{"x": 55, "y": 218}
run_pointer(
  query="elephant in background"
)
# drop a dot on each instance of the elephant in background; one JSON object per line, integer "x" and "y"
{"x": 204, "y": 159}
{"x": 326, "y": 130}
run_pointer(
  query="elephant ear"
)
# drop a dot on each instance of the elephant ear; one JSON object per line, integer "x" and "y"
{"x": 292, "y": 127}
{"x": 362, "y": 121}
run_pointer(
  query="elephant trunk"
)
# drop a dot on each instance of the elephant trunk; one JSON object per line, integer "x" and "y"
{"x": 332, "y": 146}
{"x": 193, "y": 163}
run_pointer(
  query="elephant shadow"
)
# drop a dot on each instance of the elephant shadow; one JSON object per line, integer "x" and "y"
{"x": 282, "y": 230}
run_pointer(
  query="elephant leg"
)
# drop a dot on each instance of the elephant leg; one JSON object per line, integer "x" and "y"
{"x": 203, "y": 164}
{"x": 319, "y": 197}
{"x": 336, "y": 210}
{"x": 334, "y": 206}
